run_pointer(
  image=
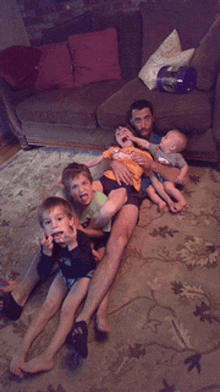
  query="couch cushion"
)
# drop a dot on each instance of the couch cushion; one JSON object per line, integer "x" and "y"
{"x": 192, "y": 19}
{"x": 129, "y": 29}
{"x": 168, "y": 53}
{"x": 95, "y": 56}
{"x": 76, "y": 106}
{"x": 55, "y": 68}
{"x": 188, "y": 112}
{"x": 207, "y": 58}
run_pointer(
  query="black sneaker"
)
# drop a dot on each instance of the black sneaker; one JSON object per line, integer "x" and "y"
{"x": 78, "y": 338}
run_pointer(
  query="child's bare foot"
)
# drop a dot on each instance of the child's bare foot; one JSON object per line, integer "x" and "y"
{"x": 175, "y": 207}
{"x": 15, "y": 366}
{"x": 38, "y": 364}
{"x": 183, "y": 204}
{"x": 162, "y": 206}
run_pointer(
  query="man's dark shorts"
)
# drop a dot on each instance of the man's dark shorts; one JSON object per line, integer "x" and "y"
{"x": 100, "y": 242}
{"x": 134, "y": 197}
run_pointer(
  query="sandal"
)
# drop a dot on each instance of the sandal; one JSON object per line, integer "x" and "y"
{"x": 78, "y": 338}
{"x": 9, "y": 307}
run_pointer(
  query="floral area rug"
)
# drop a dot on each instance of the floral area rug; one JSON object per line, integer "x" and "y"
{"x": 164, "y": 308}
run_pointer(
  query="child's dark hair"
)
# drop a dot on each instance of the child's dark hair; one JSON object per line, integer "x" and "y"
{"x": 115, "y": 143}
{"x": 139, "y": 105}
{"x": 52, "y": 202}
{"x": 73, "y": 170}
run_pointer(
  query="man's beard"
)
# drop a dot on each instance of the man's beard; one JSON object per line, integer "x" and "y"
{"x": 143, "y": 134}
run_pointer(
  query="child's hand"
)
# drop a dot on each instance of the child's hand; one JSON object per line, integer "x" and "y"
{"x": 47, "y": 243}
{"x": 70, "y": 238}
{"x": 129, "y": 134}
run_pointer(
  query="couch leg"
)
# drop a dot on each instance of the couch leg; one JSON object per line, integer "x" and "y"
{"x": 217, "y": 165}
{"x": 24, "y": 143}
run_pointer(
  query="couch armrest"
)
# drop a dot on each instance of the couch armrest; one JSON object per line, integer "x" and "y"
{"x": 216, "y": 114}
{"x": 10, "y": 98}
{"x": 216, "y": 118}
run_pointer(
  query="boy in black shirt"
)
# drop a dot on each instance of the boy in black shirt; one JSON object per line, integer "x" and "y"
{"x": 71, "y": 249}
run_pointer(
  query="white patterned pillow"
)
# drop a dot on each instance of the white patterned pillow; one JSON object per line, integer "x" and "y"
{"x": 168, "y": 53}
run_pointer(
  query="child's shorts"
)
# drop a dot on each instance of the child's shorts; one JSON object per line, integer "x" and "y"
{"x": 100, "y": 242}
{"x": 134, "y": 197}
{"x": 71, "y": 281}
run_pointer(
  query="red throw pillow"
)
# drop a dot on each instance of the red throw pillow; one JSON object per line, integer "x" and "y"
{"x": 55, "y": 68}
{"x": 95, "y": 56}
{"x": 18, "y": 65}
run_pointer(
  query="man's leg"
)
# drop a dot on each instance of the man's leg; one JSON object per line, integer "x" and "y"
{"x": 116, "y": 199}
{"x": 106, "y": 271}
{"x": 20, "y": 292}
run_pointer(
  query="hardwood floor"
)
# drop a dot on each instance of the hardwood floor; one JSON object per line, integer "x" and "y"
{"x": 8, "y": 148}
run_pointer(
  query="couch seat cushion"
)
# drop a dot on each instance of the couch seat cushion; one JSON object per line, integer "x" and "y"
{"x": 188, "y": 112}
{"x": 76, "y": 106}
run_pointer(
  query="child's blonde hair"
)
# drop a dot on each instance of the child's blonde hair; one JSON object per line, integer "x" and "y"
{"x": 180, "y": 139}
{"x": 73, "y": 170}
{"x": 50, "y": 203}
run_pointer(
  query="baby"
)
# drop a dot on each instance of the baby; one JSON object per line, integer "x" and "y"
{"x": 166, "y": 152}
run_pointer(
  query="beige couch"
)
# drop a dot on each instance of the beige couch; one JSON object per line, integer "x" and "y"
{"x": 85, "y": 117}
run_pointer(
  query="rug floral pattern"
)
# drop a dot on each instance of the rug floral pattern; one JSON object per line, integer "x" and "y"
{"x": 165, "y": 302}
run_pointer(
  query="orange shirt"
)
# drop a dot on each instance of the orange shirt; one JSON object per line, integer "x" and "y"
{"x": 125, "y": 155}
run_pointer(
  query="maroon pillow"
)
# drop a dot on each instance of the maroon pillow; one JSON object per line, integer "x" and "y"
{"x": 55, "y": 68}
{"x": 18, "y": 65}
{"x": 95, "y": 56}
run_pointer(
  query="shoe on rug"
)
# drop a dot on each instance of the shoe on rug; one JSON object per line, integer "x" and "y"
{"x": 9, "y": 307}
{"x": 100, "y": 336}
{"x": 78, "y": 338}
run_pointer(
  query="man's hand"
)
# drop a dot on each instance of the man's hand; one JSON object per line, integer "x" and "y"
{"x": 143, "y": 161}
{"x": 47, "y": 243}
{"x": 122, "y": 172}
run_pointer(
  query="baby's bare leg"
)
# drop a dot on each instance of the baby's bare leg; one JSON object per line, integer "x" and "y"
{"x": 155, "y": 198}
{"x": 159, "y": 187}
{"x": 176, "y": 193}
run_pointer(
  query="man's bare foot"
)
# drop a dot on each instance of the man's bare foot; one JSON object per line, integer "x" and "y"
{"x": 9, "y": 287}
{"x": 17, "y": 292}
{"x": 162, "y": 206}
{"x": 16, "y": 364}
{"x": 38, "y": 364}
{"x": 101, "y": 323}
